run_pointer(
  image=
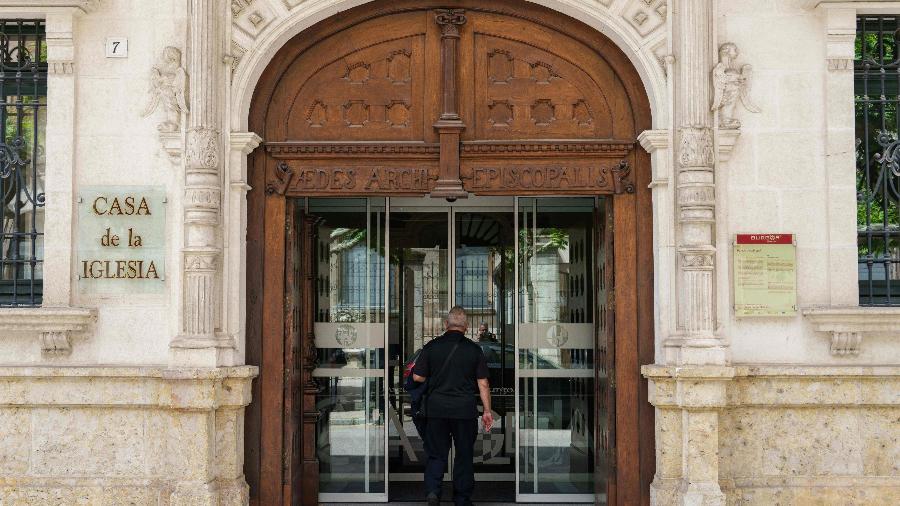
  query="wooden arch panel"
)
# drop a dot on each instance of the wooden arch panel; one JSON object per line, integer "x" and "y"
{"x": 531, "y": 82}
{"x": 372, "y": 89}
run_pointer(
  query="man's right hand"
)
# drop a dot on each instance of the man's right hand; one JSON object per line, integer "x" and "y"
{"x": 488, "y": 419}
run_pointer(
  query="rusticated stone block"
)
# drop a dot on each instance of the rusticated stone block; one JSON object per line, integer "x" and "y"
{"x": 15, "y": 447}
{"x": 74, "y": 442}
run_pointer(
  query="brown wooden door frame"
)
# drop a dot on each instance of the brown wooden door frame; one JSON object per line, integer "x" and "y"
{"x": 268, "y": 467}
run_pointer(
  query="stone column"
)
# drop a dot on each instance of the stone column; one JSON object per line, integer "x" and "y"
{"x": 689, "y": 392}
{"x": 696, "y": 341}
{"x": 199, "y": 342}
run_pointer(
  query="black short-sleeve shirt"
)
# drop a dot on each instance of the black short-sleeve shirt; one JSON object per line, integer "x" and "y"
{"x": 454, "y": 393}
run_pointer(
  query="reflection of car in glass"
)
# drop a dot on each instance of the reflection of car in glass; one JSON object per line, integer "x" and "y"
{"x": 492, "y": 355}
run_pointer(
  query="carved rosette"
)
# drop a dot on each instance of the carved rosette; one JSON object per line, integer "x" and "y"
{"x": 203, "y": 148}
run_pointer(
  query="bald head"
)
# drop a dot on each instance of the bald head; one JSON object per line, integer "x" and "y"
{"x": 456, "y": 319}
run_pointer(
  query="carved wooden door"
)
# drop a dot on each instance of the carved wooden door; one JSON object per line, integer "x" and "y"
{"x": 605, "y": 371}
{"x": 410, "y": 98}
{"x": 294, "y": 299}
{"x": 299, "y": 466}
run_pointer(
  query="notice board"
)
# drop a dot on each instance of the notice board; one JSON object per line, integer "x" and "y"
{"x": 765, "y": 275}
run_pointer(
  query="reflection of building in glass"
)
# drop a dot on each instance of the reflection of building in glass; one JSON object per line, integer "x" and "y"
{"x": 350, "y": 277}
{"x": 558, "y": 275}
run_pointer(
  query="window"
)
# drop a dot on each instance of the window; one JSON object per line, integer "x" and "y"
{"x": 877, "y": 78}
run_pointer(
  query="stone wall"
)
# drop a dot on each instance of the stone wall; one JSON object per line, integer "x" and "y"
{"x": 786, "y": 434}
{"x": 123, "y": 435}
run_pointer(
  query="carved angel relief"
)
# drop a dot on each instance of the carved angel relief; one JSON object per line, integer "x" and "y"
{"x": 168, "y": 85}
{"x": 731, "y": 85}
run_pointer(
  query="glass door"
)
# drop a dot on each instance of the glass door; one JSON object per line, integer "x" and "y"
{"x": 387, "y": 272}
{"x": 350, "y": 338}
{"x": 419, "y": 298}
{"x": 443, "y": 255}
{"x": 555, "y": 347}
{"x": 484, "y": 284}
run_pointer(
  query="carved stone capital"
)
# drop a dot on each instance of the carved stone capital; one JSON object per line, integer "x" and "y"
{"x": 695, "y": 147}
{"x": 203, "y": 148}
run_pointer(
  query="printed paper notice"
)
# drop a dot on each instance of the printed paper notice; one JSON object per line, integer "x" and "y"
{"x": 765, "y": 275}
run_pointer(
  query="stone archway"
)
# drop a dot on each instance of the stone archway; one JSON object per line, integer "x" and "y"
{"x": 590, "y": 109}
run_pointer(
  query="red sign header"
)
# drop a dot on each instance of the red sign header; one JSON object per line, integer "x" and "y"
{"x": 765, "y": 239}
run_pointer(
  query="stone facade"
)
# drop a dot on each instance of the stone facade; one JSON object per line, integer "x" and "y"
{"x": 140, "y": 399}
{"x": 123, "y": 435}
{"x": 779, "y": 434}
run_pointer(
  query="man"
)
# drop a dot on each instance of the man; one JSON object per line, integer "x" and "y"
{"x": 451, "y": 410}
{"x": 484, "y": 335}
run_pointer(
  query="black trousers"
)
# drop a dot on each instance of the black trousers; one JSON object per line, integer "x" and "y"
{"x": 438, "y": 434}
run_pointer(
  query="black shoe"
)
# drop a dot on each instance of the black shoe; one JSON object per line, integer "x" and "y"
{"x": 433, "y": 499}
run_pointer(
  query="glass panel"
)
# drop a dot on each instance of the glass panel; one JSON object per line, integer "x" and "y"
{"x": 350, "y": 330}
{"x": 556, "y": 347}
{"x": 419, "y": 300}
{"x": 484, "y": 286}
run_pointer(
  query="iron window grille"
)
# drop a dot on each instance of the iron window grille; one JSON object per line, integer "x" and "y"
{"x": 877, "y": 89}
{"x": 23, "y": 108}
